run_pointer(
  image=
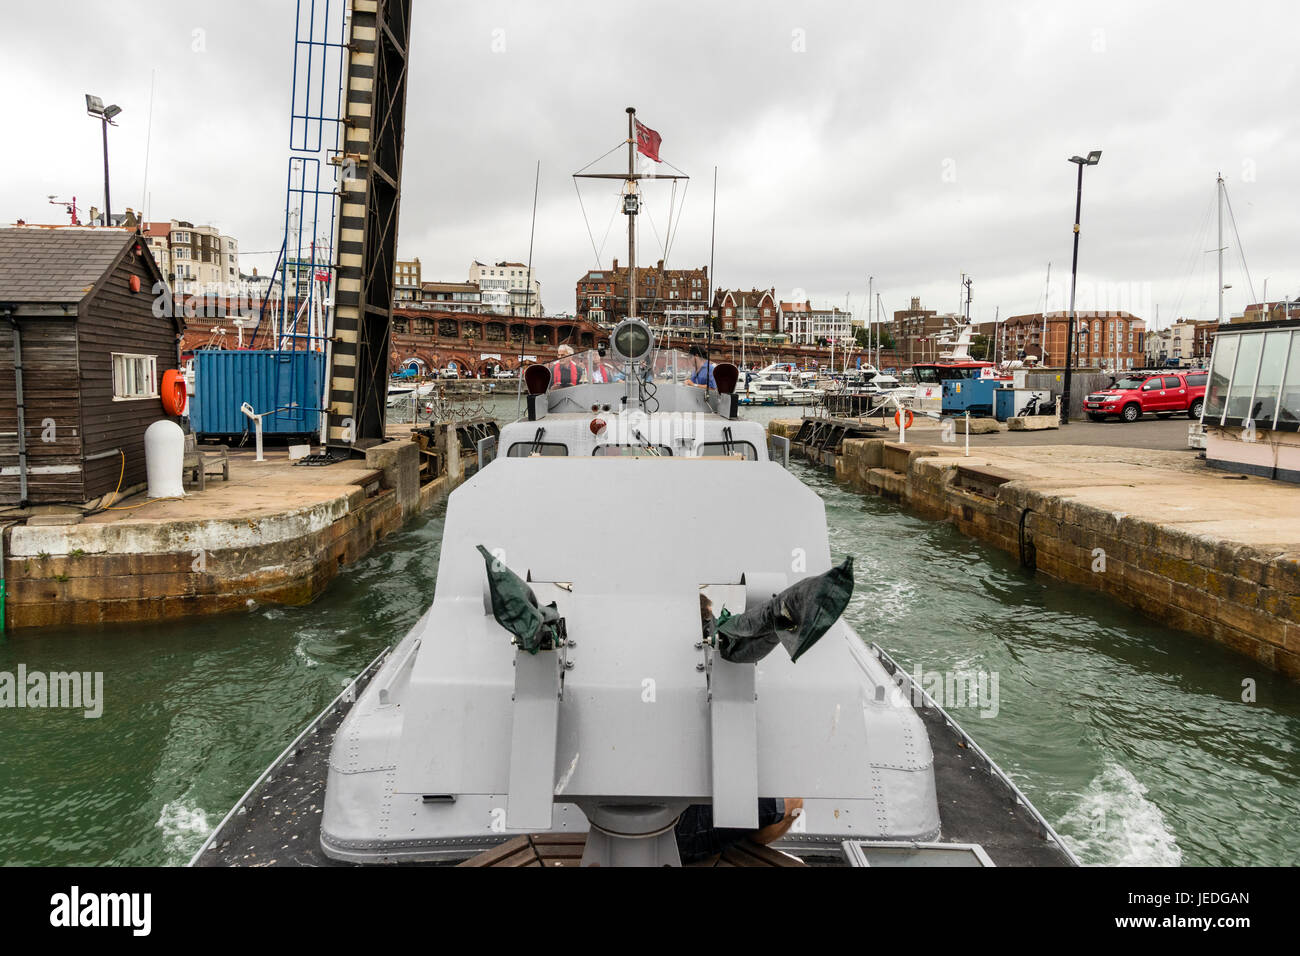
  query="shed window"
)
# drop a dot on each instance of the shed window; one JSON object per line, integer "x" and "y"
{"x": 1216, "y": 397}
{"x": 1289, "y": 407}
{"x": 1243, "y": 376}
{"x": 1263, "y": 408}
{"x": 135, "y": 376}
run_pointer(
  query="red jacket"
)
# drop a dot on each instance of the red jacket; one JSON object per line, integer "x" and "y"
{"x": 565, "y": 373}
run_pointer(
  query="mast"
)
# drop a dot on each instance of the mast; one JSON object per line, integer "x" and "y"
{"x": 871, "y": 304}
{"x": 1047, "y": 291}
{"x": 1218, "y": 189}
{"x": 630, "y": 202}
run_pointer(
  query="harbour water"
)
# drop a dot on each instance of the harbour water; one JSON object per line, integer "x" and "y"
{"x": 1133, "y": 739}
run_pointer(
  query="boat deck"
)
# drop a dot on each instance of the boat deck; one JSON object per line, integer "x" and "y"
{"x": 278, "y": 821}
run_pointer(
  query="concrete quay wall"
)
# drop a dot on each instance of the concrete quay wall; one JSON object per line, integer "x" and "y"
{"x": 1243, "y": 595}
{"x": 151, "y": 570}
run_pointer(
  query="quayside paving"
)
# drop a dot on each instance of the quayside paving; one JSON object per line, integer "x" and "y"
{"x": 1212, "y": 554}
{"x": 274, "y": 533}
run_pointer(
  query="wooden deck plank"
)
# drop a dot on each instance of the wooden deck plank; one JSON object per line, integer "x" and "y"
{"x": 566, "y": 849}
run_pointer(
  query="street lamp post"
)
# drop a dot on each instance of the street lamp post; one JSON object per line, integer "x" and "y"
{"x": 1091, "y": 160}
{"x": 95, "y": 107}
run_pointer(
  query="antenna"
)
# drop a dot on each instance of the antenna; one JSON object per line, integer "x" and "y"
{"x": 148, "y": 138}
{"x": 713, "y": 233}
{"x": 528, "y": 291}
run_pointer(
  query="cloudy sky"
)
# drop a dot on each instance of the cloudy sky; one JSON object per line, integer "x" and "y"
{"x": 909, "y": 142}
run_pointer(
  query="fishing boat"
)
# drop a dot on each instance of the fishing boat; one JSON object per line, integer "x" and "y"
{"x": 615, "y": 646}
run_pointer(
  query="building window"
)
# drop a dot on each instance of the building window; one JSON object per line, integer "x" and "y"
{"x": 134, "y": 376}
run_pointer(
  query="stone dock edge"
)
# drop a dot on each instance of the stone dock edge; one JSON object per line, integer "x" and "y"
{"x": 73, "y": 575}
{"x": 1241, "y": 597}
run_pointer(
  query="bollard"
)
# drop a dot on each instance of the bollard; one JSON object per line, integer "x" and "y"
{"x": 247, "y": 409}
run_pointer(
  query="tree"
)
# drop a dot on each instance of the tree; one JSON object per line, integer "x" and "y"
{"x": 979, "y": 347}
{"x": 867, "y": 339}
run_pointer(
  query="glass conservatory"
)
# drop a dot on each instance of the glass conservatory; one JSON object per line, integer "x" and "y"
{"x": 1252, "y": 401}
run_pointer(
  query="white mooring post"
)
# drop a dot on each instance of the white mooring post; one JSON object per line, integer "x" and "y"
{"x": 247, "y": 409}
{"x": 968, "y": 433}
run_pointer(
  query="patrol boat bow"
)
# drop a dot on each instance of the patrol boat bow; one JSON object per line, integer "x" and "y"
{"x": 571, "y": 677}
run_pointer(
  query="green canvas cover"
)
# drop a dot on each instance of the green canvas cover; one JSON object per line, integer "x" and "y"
{"x": 514, "y": 606}
{"x": 796, "y": 618}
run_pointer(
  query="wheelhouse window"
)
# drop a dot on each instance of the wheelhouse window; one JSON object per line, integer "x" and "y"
{"x": 722, "y": 449}
{"x": 530, "y": 449}
{"x": 632, "y": 451}
{"x": 134, "y": 377}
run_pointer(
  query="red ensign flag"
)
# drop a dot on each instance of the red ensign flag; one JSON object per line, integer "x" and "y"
{"x": 647, "y": 141}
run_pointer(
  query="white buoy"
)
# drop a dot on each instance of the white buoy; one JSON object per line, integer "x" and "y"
{"x": 164, "y": 459}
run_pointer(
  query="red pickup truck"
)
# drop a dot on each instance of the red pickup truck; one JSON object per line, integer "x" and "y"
{"x": 1161, "y": 393}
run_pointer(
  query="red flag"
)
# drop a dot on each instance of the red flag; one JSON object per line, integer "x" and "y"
{"x": 647, "y": 141}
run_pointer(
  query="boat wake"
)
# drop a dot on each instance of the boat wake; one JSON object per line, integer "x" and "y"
{"x": 1114, "y": 824}
{"x": 184, "y": 828}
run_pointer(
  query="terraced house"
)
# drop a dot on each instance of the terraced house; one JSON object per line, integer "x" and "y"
{"x": 665, "y": 298}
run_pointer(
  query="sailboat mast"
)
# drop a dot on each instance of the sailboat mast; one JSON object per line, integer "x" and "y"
{"x": 871, "y": 304}
{"x": 630, "y": 209}
{"x": 1219, "y": 189}
{"x": 1047, "y": 292}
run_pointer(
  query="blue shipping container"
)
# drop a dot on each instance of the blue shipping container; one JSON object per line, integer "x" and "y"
{"x": 286, "y": 383}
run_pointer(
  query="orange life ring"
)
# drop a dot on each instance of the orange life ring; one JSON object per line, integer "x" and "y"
{"x": 173, "y": 392}
{"x": 910, "y": 418}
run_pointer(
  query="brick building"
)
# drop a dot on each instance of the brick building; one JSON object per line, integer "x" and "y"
{"x": 914, "y": 329}
{"x": 1203, "y": 341}
{"x": 752, "y": 312}
{"x": 669, "y": 298}
{"x": 1117, "y": 339}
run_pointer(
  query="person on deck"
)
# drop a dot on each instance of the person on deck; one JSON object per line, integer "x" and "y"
{"x": 703, "y": 369}
{"x": 565, "y": 371}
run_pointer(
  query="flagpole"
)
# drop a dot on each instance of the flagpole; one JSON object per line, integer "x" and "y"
{"x": 629, "y": 207}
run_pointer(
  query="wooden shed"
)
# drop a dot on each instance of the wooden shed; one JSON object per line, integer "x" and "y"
{"x": 82, "y": 355}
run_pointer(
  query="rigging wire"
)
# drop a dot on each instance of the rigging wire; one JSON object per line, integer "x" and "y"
{"x": 1241, "y": 251}
{"x": 619, "y": 145}
{"x": 587, "y": 221}
{"x": 1194, "y": 255}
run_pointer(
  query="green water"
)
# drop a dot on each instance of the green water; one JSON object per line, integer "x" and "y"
{"x": 1132, "y": 739}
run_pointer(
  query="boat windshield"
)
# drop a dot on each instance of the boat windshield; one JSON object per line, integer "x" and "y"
{"x": 934, "y": 374}
{"x": 590, "y": 367}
